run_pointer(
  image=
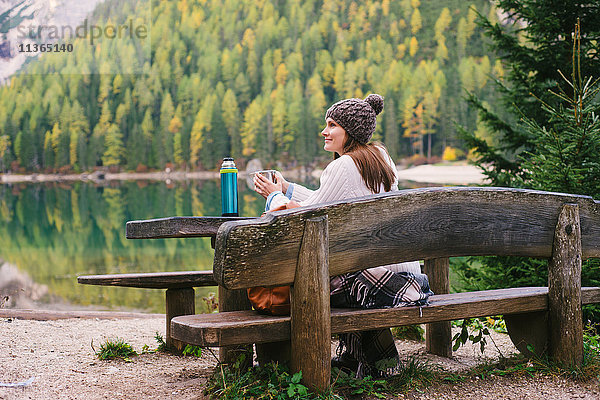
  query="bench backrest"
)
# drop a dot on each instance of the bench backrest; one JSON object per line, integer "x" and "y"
{"x": 401, "y": 226}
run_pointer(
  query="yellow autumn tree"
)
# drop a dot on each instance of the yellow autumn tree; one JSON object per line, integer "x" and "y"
{"x": 281, "y": 74}
{"x": 442, "y": 23}
{"x": 252, "y": 120}
{"x": 175, "y": 128}
{"x": 413, "y": 46}
{"x": 416, "y": 22}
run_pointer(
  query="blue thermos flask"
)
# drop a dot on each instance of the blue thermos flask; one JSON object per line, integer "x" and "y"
{"x": 229, "y": 195}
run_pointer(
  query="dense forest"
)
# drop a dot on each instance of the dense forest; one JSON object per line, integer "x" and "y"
{"x": 250, "y": 79}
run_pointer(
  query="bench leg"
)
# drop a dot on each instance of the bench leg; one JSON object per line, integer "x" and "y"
{"x": 178, "y": 302}
{"x": 310, "y": 309}
{"x": 528, "y": 331}
{"x": 438, "y": 335}
{"x": 564, "y": 290}
{"x": 279, "y": 352}
{"x": 234, "y": 300}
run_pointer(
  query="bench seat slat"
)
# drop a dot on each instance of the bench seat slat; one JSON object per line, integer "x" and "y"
{"x": 152, "y": 280}
{"x": 240, "y": 327}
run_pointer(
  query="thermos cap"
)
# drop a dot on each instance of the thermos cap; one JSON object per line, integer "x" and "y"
{"x": 228, "y": 163}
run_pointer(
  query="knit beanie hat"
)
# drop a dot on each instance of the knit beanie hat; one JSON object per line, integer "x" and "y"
{"x": 357, "y": 117}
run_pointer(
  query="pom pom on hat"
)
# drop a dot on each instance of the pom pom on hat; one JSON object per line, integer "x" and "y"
{"x": 376, "y": 102}
{"x": 357, "y": 117}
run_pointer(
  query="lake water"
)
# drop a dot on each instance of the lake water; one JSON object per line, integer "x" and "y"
{"x": 50, "y": 233}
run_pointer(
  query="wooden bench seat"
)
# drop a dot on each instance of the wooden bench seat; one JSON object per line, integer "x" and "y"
{"x": 240, "y": 327}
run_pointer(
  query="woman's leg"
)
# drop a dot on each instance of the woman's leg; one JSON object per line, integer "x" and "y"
{"x": 374, "y": 351}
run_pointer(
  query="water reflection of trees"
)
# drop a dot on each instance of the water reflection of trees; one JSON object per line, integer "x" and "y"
{"x": 54, "y": 232}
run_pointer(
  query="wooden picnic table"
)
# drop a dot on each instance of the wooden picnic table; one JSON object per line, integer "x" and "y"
{"x": 178, "y": 300}
{"x": 434, "y": 224}
{"x": 179, "y": 285}
{"x": 177, "y": 227}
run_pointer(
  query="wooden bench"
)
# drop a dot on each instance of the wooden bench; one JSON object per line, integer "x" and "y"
{"x": 303, "y": 247}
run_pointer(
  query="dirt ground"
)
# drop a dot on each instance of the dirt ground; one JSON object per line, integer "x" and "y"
{"x": 58, "y": 355}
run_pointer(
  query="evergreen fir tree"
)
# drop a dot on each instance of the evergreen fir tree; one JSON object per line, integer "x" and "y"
{"x": 231, "y": 118}
{"x": 531, "y": 48}
{"x": 4, "y": 146}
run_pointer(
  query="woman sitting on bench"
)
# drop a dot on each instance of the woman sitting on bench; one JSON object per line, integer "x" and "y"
{"x": 359, "y": 168}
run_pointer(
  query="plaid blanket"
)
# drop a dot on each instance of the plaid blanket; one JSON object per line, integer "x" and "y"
{"x": 377, "y": 287}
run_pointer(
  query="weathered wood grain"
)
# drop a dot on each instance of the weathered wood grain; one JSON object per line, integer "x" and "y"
{"x": 176, "y": 227}
{"x": 401, "y": 226}
{"x": 152, "y": 280}
{"x": 178, "y": 302}
{"x": 438, "y": 335}
{"x": 310, "y": 309}
{"x": 250, "y": 327}
{"x": 564, "y": 294}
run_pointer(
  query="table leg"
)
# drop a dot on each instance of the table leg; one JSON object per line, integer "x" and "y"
{"x": 234, "y": 300}
{"x": 178, "y": 302}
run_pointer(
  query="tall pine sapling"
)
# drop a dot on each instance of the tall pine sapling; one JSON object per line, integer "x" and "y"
{"x": 567, "y": 156}
{"x": 566, "y": 159}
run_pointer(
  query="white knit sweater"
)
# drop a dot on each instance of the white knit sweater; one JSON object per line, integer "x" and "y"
{"x": 340, "y": 180}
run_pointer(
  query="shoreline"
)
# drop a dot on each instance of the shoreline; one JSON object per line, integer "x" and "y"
{"x": 451, "y": 174}
{"x": 37, "y": 314}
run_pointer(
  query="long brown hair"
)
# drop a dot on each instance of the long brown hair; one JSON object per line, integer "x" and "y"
{"x": 371, "y": 164}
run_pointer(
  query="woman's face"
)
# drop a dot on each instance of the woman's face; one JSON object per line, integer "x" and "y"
{"x": 335, "y": 137}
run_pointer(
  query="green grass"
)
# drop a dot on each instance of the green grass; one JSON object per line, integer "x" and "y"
{"x": 275, "y": 382}
{"x": 409, "y": 332}
{"x": 162, "y": 345}
{"x": 115, "y": 348}
{"x": 189, "y": 350}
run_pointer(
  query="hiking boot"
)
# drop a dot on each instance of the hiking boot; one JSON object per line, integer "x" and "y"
{"x": 345, "y": 362}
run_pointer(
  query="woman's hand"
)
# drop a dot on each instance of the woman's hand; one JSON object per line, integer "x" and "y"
{"x": 284, "y": 184}
{"x": 265, "y": 187}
